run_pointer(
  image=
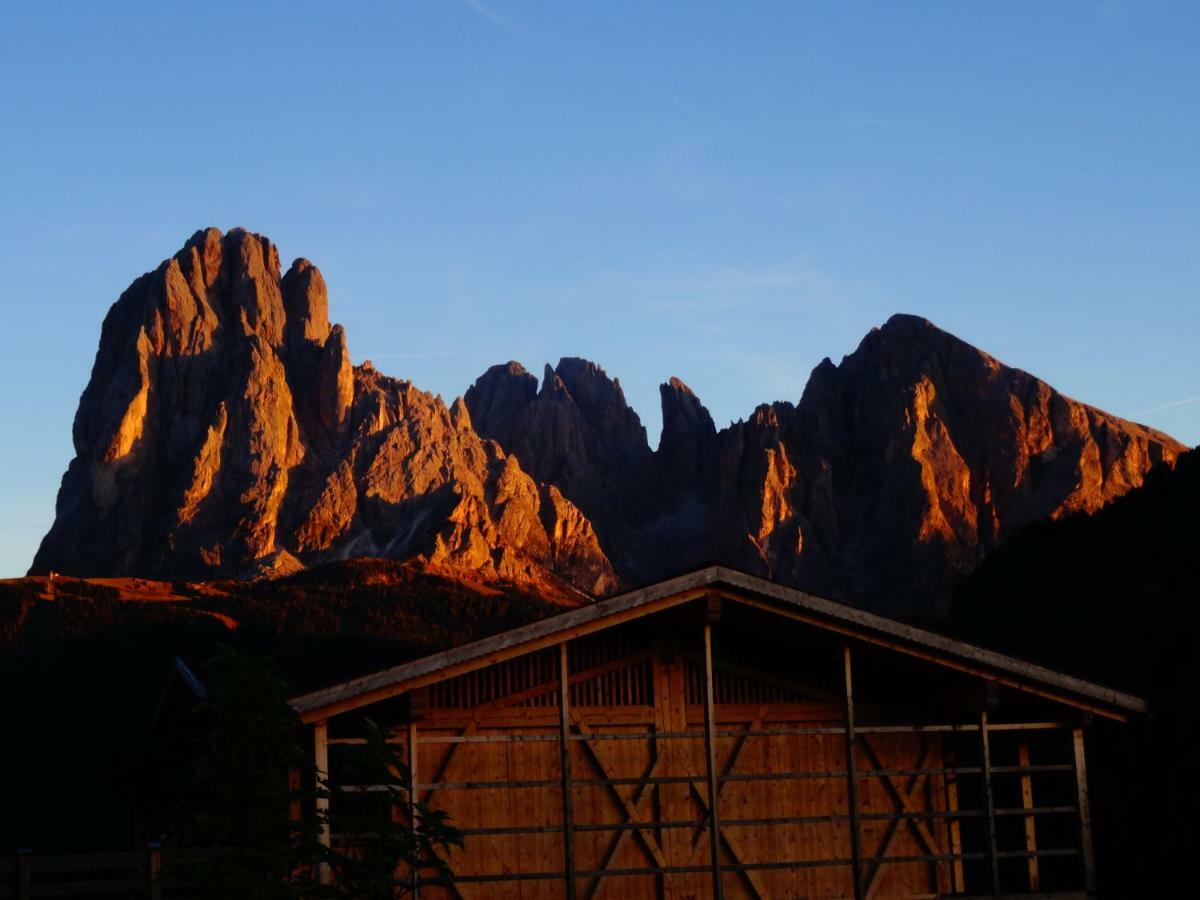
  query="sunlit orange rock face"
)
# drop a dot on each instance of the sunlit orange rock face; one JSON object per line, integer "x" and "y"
{"x": 224, "y": 427}
{"x": 896, "y": 472}
{"x": 900, "y": 468}
{"x": 224, "y": 432}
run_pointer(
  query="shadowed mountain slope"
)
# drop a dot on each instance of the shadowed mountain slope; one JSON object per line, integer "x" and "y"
{"x": 897, "y": 471}
{"x": 1111, "y": 597}
{"x": 225, "y": 432}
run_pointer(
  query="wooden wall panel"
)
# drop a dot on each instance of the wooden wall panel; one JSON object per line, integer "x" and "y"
{"x": 648, "y": 693}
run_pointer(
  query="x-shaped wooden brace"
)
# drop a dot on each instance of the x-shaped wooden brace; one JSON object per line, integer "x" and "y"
{"x": 731, "y": 843}
{"x": 519, "y": 697}
{"x": 902, "y": 798}
{"x": 443, "y": 769}
{"x": 632, "y": 808}
{"x": 472, "y": 729}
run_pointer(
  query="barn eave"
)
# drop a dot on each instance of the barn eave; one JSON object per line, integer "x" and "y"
{"x": 737, "y": 587}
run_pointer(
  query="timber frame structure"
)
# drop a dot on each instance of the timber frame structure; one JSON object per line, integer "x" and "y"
{"x": 722, "y": 735}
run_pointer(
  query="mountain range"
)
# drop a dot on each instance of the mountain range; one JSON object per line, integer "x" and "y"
{"x": 225, "y": 432}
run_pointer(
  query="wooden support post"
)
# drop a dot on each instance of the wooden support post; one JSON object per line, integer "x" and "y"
{"x": 985, "y": 768}
{"x": 1083, "y": 802}
{"x": 958, "y": 882}
{"x": 413, "y": 781}
{"x": 321, "y": 763}
{"x": 710, "y": 753}
{"x": 24, "y": 874}
{"x": 564, "y": 745}
{"x": 154, "y": 870}
{"x": 1035, "y": 880}
{"x": 852, "y": 776}
{"x": 671, "y": 839}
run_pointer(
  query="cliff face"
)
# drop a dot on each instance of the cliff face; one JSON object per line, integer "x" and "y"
{"x": 897, "y": 471}
{"x": 224, "y": 428}
{"x": 1111, "y": 597}
{"x": 902, "y": 467}
{"x": 225, "y": 431}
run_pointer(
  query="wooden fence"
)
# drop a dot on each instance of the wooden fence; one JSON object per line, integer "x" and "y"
{"x": 119, "y": 874}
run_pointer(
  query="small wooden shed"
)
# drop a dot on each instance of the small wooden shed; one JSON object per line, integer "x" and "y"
{"x": 722, "y": 735}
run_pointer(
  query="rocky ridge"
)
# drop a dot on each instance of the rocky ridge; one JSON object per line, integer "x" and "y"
{"x": 896, "y": 472}
{"x": 224, "y": 430}
{"x": 224, "y": 425}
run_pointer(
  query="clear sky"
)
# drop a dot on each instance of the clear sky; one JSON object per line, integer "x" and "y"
{"x": 723, "y": 192}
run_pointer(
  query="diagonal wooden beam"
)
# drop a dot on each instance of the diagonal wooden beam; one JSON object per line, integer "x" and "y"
{"x": 440, "y": 775}
{"x": 622, "y": 836}
{"x": 731, "y": 763}
{"x": 631, "y": 813}
{"x": 732, "y": 844}
{"x": 902, "y": 801}
{"x": 736, "y": 850}
{"x": 444, "y": 767}
{"x": 875, "y": 865}
{"x": 509, "y": 700}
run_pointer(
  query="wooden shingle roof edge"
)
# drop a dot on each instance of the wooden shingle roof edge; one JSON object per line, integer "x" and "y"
{"x": 739, "y": 587}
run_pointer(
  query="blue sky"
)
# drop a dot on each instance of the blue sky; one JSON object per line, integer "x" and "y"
{"x": 721, "y": 192}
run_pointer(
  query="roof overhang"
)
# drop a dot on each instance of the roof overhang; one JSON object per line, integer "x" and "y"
{"x": 736, "y": 587}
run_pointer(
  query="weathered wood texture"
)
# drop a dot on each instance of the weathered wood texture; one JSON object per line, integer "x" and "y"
{"x": 737, "y": 587}
{"x": 614, "y": 770}
{"x": 321, "y": 762}
{"x": 640, "y": 788}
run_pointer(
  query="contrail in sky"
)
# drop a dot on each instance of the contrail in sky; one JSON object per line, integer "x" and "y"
{"x": 1168, "y": 406}
{"x": 488, "y": 13}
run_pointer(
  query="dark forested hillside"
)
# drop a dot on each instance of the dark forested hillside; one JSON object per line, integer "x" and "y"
{"x": 1111, "y": 597}
{"x": 81, "y": 674}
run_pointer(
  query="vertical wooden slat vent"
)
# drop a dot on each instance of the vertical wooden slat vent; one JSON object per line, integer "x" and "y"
{"x": 534, "y": 675}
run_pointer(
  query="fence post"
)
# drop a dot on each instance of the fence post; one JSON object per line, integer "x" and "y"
{"x": 153, "y": 870}
{"x": 24, "y": 873}
{"x": 852, "y": 776}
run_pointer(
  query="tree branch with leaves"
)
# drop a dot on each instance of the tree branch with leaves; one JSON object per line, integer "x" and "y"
{"x": 247, "y": 830}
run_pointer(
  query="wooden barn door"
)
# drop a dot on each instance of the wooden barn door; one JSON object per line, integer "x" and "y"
{"x": 638, "y": 778}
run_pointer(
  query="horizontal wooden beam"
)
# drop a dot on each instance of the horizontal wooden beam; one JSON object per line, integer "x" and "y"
{"x": 981, "y": 663}
{"x": 539, "y": 635}
{"x": 837, "y": 618}
{"x": 552, "y": 713}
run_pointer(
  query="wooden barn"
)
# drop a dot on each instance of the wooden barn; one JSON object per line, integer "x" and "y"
{"x": 721, "y": 735}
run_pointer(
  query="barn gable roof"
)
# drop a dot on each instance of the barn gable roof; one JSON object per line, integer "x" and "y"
{"x": 740, "y": 588}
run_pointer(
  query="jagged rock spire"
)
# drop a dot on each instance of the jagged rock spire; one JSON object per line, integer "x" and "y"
{"x": 224, "y": 426}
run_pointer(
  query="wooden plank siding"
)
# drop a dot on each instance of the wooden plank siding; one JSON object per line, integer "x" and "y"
{"x": 736, "y": 587}
{"x": 680, "y": 756}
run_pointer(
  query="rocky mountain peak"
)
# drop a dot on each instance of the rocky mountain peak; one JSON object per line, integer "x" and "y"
{"x": 551, "y": 383}
{"x": 306, "y": 303}
{"x": 599, "y": 397}
{"x": 224, "y": 427}
{"x": 682, "y": 408}
{"x": 688, "y": 445}
{"x": 498, "y": 398}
